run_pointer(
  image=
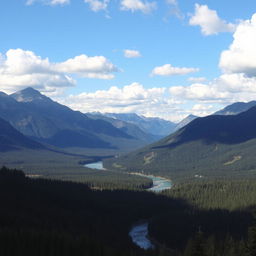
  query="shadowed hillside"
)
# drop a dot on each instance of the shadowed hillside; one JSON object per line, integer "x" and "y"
{"x": 212, "y": 146}
{"x": 11, "y": 139}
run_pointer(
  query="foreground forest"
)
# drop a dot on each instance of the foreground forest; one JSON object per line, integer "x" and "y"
{"x": 50, "y": 217}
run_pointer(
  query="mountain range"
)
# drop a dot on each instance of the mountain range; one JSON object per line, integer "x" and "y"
{"x": 151, "y": 125}
{"x": 46, "y": 121}
{"x": 209, "y": 146}
{"x": 212, "y": 144}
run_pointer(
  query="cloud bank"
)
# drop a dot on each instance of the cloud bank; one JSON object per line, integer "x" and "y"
{"x": 20, "y": 68}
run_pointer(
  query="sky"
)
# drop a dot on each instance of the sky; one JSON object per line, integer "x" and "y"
{"x": 165, "y": 58}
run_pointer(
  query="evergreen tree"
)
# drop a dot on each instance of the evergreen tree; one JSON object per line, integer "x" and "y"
{"x": 197, "y": 246}
{"x": 251, "y": 243}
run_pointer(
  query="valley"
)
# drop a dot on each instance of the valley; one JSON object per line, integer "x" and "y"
{"x": 155, "y": 199}
{"x": 127, "y": 128}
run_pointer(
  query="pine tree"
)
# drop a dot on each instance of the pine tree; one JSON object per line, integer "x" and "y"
{"x": 251, "y": 243}
{"x": 196, "y": 247}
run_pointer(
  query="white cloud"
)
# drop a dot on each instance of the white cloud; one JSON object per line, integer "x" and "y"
{"x": 20, "y": 68}
{"x": 237, "y": 82}
{"x": 241, "y": 55}
{"x": 197, "y": 91}
{"x": 209, "y": 21}
{"x": 96, "y": 5}
{"x": 131, "y": 54}
{"x": 91, "y": 67}
{"x": 202, "y": 109}
{"x": 154, "y": 102}
{"x": 138, "y": 5}
{"x": 131, "y": 98}
{"x": 225, "y": 89}
{"x": 49, "y": 2}
{"x": 169, "y": 70}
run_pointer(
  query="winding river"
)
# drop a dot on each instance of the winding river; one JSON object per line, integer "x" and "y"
{"x": 139, "y": 232}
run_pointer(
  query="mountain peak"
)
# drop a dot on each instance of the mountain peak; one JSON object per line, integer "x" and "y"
{"x": 28, "y": 94}
{"x": 185, "y": 121}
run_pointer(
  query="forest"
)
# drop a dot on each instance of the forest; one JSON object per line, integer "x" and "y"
{"x": 53, "y": 217}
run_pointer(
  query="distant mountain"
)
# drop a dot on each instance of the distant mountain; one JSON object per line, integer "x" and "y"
{"x": 210, "y": 146}
{"x": 150, "y": 125}
{"x": 11, "y": 139}
{"x": 44, "y": 120}
{"x": 236, "y": 108}
{"x": 233, "y": 109}
{"x": 127, "y": 127}
{"x": 185, "y": 121}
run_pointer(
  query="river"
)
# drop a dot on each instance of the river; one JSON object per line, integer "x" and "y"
{"x": 139, "y": 232}
{"x": 95, "y": 165}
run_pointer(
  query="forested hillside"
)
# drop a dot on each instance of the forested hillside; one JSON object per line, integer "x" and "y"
{"x": 47, "y": 217}
{"x": 213, "y": 146}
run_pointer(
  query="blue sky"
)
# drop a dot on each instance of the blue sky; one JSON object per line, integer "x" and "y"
{"x": 162, "y": 58}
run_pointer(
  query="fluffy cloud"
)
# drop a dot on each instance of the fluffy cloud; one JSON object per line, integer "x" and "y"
{"x": 169, "y": 70}
{"x": 197, "y": 91}
{"x": 209, "y": 21}
{"x": 91, "y": 67}
{"x": 241, "y": 55}
{"x": 131, "y": 54}
{"x": 138, "y": 5}
{"x": 19, "y": 68}
{"x": 49, "y": 2}
{"x": 130, "y": 98}
{"x": 96, "y": 5}
{"x": 226, "y": 89}
{"x": 202, "y": 110}
{"x": 154, "y": 102}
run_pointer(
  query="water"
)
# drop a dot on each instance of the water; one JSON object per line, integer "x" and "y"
{"x": 139, "y": 233}
{"x": 139, "y": 236}
{"x": 95, "y": 165}
{"x": 159, "y": 183}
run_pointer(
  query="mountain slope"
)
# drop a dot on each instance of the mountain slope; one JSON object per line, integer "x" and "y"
{"x": 129, "y": 128}
{"x": 185, "y": 121}
{"x": 236, "y": 108}
{"x": 40, "y": 118}
{"x": 212, "y": 146}
{"x": 11, "y": 139}
{"x": 150, "y": 125}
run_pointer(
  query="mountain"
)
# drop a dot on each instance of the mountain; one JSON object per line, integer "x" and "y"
{"x": 232, "y": 109}
{"x": 150, "y": 125}
{"x": 209, "y": 146}
{"x": 185, "y": 121}
{"x": 131, "y": 129}
{"x": 236, "y": 108}
{"x": 47, "y": 121}
{"x": 11, "y": 139}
